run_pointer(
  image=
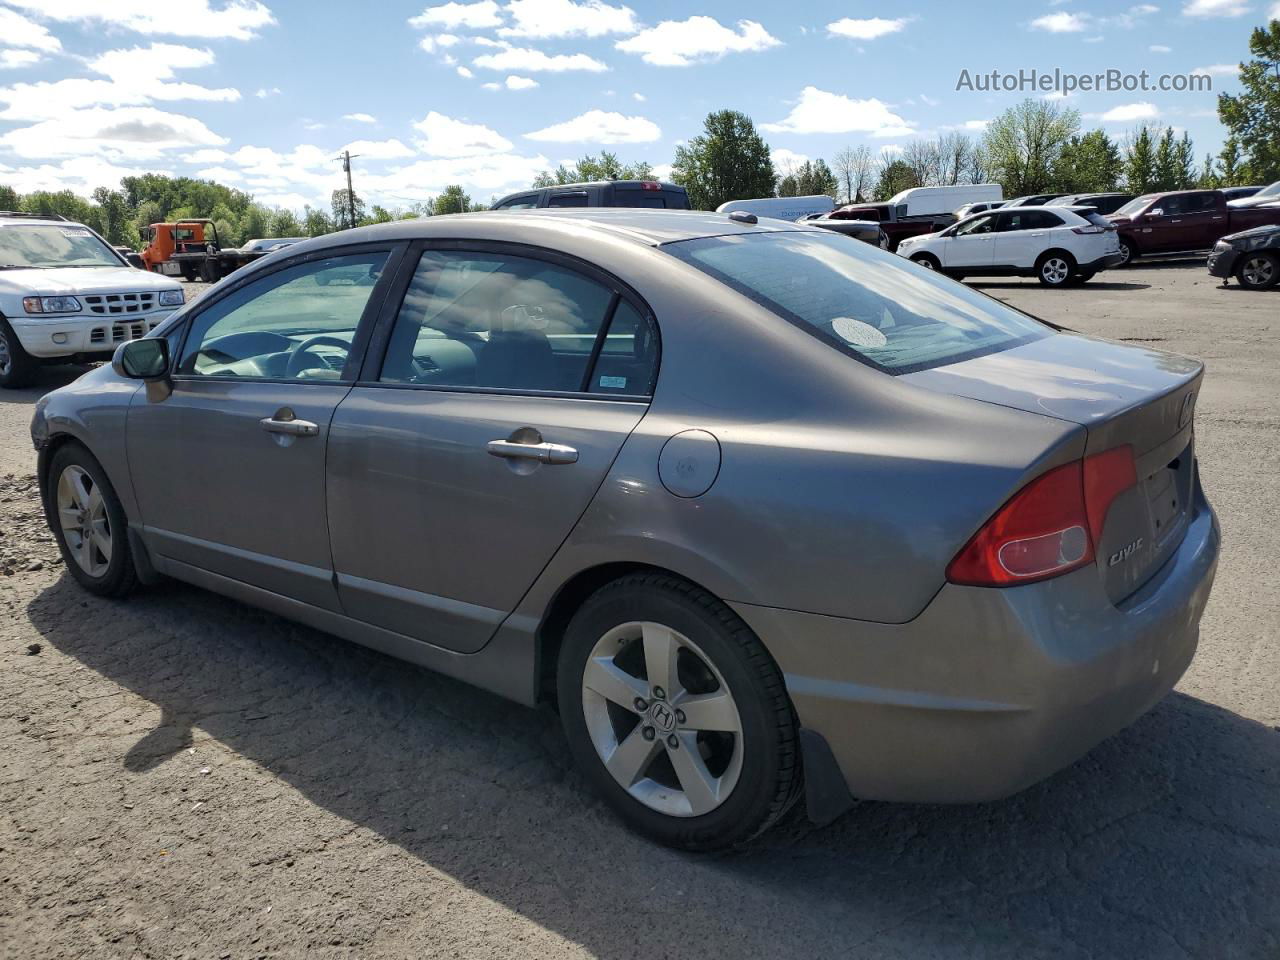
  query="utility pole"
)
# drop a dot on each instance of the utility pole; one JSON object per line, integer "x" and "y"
{"x": 346, "y": 159}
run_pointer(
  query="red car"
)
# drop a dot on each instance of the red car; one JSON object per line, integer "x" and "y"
{"x": 1185, "y": 221}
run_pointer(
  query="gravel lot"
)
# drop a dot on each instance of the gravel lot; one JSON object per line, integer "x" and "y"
{"x": 182, "y": 776}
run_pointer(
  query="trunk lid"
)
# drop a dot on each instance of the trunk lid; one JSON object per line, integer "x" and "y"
{"x": 1121, "y": 395}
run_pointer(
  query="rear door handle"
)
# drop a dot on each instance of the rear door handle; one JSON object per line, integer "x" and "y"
{"x": 542, "y": 452}
{"x": 289, "y": 426}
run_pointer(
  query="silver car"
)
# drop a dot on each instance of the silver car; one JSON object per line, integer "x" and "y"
{"x": 766, "y": 513}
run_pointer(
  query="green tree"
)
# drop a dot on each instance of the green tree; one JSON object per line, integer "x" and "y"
{"x": 789, "y": 186}
{"x": 378, "y": 214}
{"x": 1088, "y": 163}
{"x": 1140, "y": 163}
{"x": 342, "y": 202}
{"x": 813, "y": 179}
{"x": 452, "y": 200}
{"x": 1232, "y": 174}
{"x": 1022, "y": 146}
{"x": 1252, "y": 117}
{"x": 9, "y": 199}
{"x": 255, "y": 223}
{"x": 316, "y": 223}
{"x": 284, "y": 223}
{"x": 728, "y": 161}
{"x": 1209, "y": 179}
{"x": 605, "y": 167}
{"x": 895, "y": 176}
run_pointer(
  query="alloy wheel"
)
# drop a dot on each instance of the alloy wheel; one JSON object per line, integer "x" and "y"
{"x": 1258, "y": 271}
{"x": 6, "y": 358}
{"x": 1126, "y": 254}
{"x": 82, "y": 515}
{"x": 1055, "y": 270}
{"x": 662, "y": 719}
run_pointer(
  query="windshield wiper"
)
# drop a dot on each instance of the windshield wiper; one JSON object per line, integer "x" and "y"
{"x": 21, "y": 266}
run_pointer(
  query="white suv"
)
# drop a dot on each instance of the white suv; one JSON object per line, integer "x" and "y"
{"x": 66, "y": 296}
{"x": 1058, "y": 245}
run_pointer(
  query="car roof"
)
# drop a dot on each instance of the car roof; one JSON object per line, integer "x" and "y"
{"x": 27, "y": 221}
{"x": 649, "y": 227}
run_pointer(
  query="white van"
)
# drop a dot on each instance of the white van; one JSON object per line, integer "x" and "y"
{"x": 782, "y": 208}
{"x": 933, "y": 201}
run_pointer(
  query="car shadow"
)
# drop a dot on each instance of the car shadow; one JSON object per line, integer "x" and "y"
{"x": 1076, "y": 288}
{"x": 1162, "y": 842}
{"x": 46, "y": 378}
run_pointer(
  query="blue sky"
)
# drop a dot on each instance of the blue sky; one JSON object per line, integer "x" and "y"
{"x": 262, "y": 95}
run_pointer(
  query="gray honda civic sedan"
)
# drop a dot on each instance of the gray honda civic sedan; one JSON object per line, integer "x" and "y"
{"x": 767, "y": 513}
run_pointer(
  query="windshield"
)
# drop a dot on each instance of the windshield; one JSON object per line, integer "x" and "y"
{"x": 865, "y": 302}
{"x": 1136, "y": 204}
{"x": 1271, "y": 191}
{"x": 53, "y": 245}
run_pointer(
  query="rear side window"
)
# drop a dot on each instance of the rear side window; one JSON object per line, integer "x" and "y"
{"x": 867, "y": 303}
{"x": 514, "y": 323}
{"x": 568, "y": 200}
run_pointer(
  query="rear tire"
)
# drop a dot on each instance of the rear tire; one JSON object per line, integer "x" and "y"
{"x": 1054, "y": 269}
{"x": 699, "y": 780}
{"x": 17, "y": 367}
{"x": 89, "y": 523}
{"x": 1259, "y": 270}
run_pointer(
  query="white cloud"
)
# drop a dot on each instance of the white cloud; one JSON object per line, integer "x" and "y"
{"x": 1061, "y": 22}
{"x": 929, "y": 101}
{"x": 600, "y": 126}
{"x": 969, "y": 126}
{"x": 447, "y": 137}
{"x": 865, "y": 29}
{"x": 17, "y": 31}
{"x": 360, "y": 117}
{"x": 1215, "y": 8}
{"x": 162, "y": 60}
{"x": 126, "y": 132}
{"x": 638, "y": 97}
{"x": 234, "y": 20}
{"x": 81, "y": 175}
{"x": 453, "y": 15}
{"x": 496, "y": 173}
{"x": 14, "y": 59}
{"x": 564, "y": 18}
{"x": 1159, "y": 48}
{"x": 465, "y": 73}
{"x": 819, "y": 111}
{"x": 514, "y": 82}
{"x": 1129, "y": 112}
{"x": 263, "y": 92}
{"x": 786, "y": 161}
{"x": 1219, "y": 70}
{"x": 679, "y": 43}
{"x": 379, "y": 149}
{"x": 535, "y": 61}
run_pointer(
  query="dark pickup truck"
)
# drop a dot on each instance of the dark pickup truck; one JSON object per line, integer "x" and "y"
{"x": 895, "y": 228}
{"x": 1188, "y": 221}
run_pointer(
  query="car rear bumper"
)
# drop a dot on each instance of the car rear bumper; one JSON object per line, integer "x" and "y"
{"x": 51, "y": 338}
{"x": 1222, "y": 263}
{"x": 990, "y": 690}
{"x": 1104, "y": 262}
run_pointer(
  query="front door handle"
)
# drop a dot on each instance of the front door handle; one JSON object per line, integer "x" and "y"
{"x": 1175, "y": 221}
{"x": 542, "y": 452}
{"x": 283, "y": 421}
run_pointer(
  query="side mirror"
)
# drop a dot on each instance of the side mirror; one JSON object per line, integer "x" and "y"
{"x": 146, "y": 359}
{"x": 1157, "y": 212}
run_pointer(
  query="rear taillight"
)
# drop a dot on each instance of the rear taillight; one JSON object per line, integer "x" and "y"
{"x": 1049, "y": 527}
{"x": 1088, "y": 229}
{"x": 650, "y": 185}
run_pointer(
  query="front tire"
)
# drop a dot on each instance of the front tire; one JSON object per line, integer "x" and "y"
{"x": 927, "y": 260}
{"x": 89, "y": 523}
{"x": 1259, "y": 270}
{"x": 17, "y": 367}
{"x": 677, "y": 714}
{"x": 1128, "y": 252}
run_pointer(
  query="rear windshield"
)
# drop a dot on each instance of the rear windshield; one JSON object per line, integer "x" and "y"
{"x": 660, "y": 199}
{"x": 872, "y": 305}
{"x": 1097, "y": 219}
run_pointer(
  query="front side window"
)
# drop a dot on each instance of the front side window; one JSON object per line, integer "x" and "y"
{"x": 295, "y": 324}
{"x": 1136, "y": 204}
{"x": 865, "y": 302}
{"x": 53, "y": 245}
{"x": 512, "y": 323}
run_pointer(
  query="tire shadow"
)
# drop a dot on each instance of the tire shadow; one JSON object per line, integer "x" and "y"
{"x": 1164, "y": 841}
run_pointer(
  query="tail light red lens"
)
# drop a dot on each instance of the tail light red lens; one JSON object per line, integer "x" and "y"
{"x": 1049, "y": 527}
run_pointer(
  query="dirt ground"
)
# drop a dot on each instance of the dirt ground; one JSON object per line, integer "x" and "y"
{"x": 182, "y": 776}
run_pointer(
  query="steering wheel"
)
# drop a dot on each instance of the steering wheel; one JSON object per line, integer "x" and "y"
{"x": 300, "y": 352}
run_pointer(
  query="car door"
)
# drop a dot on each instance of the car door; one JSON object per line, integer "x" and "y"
{"x": 1161, "y": 226}
{"x": 491, "y": 407}
{"x": 971, "y": 244}
{"x": 1015, "y": 239}
{"x": 228, "y": 468}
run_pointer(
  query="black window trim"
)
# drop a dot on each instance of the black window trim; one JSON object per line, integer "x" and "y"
{"x": 364, "y": 327}
{"x": 376, "y": 354}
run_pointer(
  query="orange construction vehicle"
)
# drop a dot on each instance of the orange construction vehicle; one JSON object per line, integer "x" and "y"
{"x": 191, "y": 249}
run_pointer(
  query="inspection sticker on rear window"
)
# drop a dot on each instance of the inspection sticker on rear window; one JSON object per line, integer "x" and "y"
{"x": 614, "y": 383}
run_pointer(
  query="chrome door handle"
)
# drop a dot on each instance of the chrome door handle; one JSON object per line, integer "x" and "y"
{"x": 1175, "y": 221}
{"x": 1219, "y": 218}
{"x": 542, "y": 452}
{"x": 292, "y": 428}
